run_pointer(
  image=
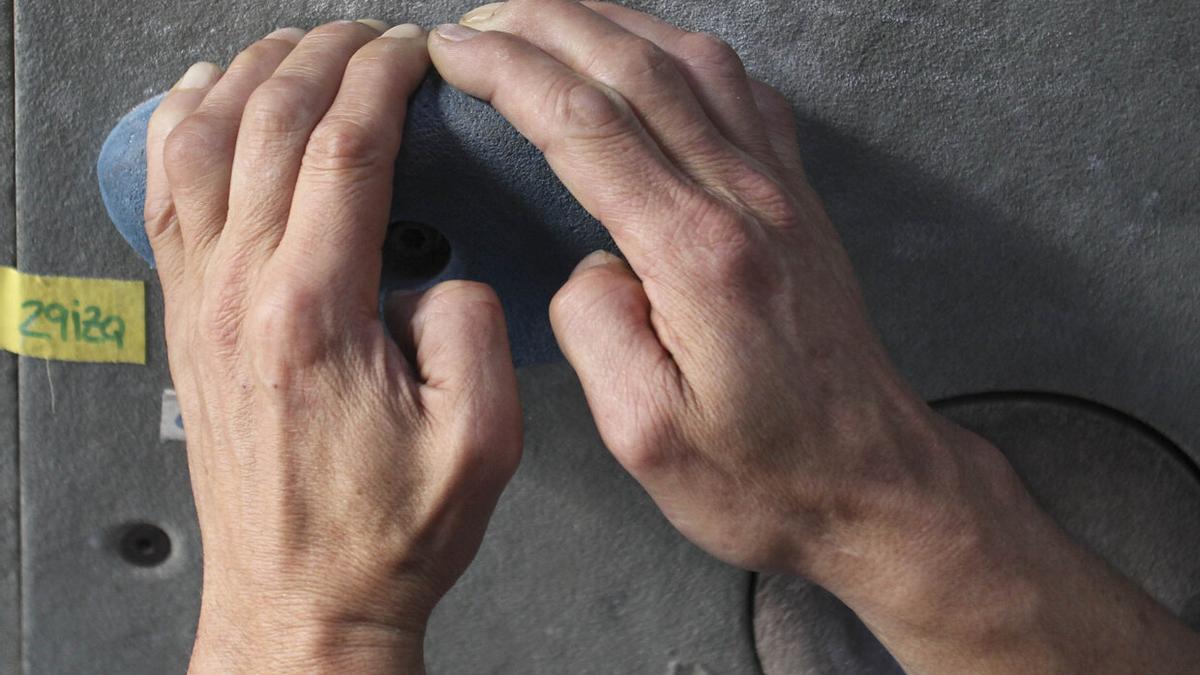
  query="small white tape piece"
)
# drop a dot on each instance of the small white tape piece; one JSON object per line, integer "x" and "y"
{"x": 170, "y": 425}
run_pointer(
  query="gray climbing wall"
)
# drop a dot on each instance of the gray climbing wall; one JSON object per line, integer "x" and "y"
{"x": 1015, "y": 180}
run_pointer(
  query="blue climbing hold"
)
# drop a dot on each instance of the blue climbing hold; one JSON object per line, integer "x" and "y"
{"x": 463, "y": 174}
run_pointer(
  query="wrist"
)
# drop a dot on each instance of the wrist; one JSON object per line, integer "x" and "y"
{"x": 298, "y": 639}
{"x": 977, "y": 578}
{"x": 949, "y": 532}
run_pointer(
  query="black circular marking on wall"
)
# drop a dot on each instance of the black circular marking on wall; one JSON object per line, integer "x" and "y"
{"x": 413, "y": 253}
{"x": 144, "y": 545}
{"x": 1113, "y": 482}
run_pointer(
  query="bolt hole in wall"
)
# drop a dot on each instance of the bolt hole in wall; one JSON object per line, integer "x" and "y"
{"x": 414, "y": 254}
{"x": 143, "y": 544}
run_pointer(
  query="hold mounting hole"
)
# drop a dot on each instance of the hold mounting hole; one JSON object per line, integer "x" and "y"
{"x": 413, "y": 253}
{"x": 144, "y": 545}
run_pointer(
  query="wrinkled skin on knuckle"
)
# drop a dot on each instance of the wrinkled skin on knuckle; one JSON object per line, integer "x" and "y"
{"x": 342, "y": 144}
{"x": 337, "y": 31}
{"x": 589, "y": 115}
{"x": 251, "y": 60}
{"x": 724, "y": 248}
{"x": 710, "y": 54}
{"x": 189, "y": 144}
{"x": 375, "y": 62}
{"x": 466, "y": 298}
{"x": 157, "y": 220}
{"x": 279, "y": 107}
{"x": 585, "y": 297}
{"x": 643, "y": 439}
{"x": 643, "y": 422}
{"x": 630, "y": 59}
{"x": 777, "y": 105}
{"x": 760, "y": 192}
{"x": 284, "y": 335}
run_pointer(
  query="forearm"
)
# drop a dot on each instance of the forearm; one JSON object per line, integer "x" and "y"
{"x": 995, "y": 586}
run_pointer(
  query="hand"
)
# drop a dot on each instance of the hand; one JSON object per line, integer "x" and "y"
{"x": 730, "y": 365}
{"x": 342, "y": 481}
{"x": 732, "y": 369}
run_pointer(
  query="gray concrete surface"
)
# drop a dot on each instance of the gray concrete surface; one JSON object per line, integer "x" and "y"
{"x": 1015, "y": 180}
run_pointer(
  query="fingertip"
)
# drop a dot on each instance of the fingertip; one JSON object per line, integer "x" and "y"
{"x": 374, "y": 24}
{"x": 454, "y": 33}
{"x": 200, "y": 75}
{"x": 598, "y": 259}
{"x": 405, "y": 31}
{"x": 289, "y": 34}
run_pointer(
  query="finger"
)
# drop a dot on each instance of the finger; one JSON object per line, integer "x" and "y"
{"x": 640, "y": 71}
{"x": 162, "y": 224}
{"x": 198, "y": 154}
{"x": 780, "y": 125}
{"x": 602, "y": 320}
{"x": 339, "y": 214}
{"x": 712, "y": 69}
{"x": 275, "y": 128}
{"x": 456, "y": 336}
{"x": 590, "y": 136}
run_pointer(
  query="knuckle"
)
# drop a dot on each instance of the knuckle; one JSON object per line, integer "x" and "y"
{"x": 339, "y": 30}
{"x": 776, "y": 104}
{"x": 594, "y": 294}
{"x": 721, "y": 239}
{"x": 190, "y": 142}
{"x": 460, "y": 295}
{"x": 527, "y": 8}
{"x": 158, "y": 220}
{"x": 634, "y": 58}
{"x": 340, "y": 144}
{"x": 641, "y": 458}
{"x": 281, "y": 335}
{"x": 376, "y": 60}
{"x": 587, "y": 111}
{"x": 279, "y": 106}
{"x": 767, "y": 197}
{"x": 644, "y": 443}
{"x": 250, "y": 60}
{"x": 254, "y": 59}
{"x": 709, "y": 52}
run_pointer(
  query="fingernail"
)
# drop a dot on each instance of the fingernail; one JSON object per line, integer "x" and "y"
{"x": 288, "y": 34}
{"x": 482, "y": 13}
{"x": 405, "y": 30}
{"x": 456, "y": 33}
{"x": 596, "y": 259}
{"x": 199, "y": 76}
{"x": 379, "y": 26}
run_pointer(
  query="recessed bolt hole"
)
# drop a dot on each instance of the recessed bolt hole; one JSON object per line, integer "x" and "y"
{"x": 144, "y": 545}
{"x": 414, "y": 253}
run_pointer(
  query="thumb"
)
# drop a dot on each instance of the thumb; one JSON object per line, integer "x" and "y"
{"x": 454, "y": 337}
{"x": 603, "y": 322}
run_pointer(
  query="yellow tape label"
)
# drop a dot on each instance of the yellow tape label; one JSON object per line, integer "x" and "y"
{"x": 72, "y": 319}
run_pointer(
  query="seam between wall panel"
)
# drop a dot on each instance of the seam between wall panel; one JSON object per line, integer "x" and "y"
{"x": 19, "y": 571}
